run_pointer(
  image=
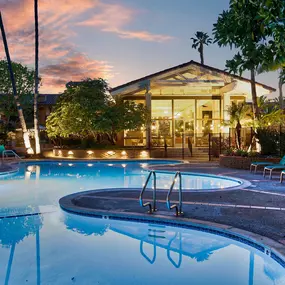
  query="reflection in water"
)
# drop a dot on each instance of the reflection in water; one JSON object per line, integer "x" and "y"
{"x": 173, "y": 240}
{"x": 129, "y": 249}
{"x": 115, "y": 174}
{"x": 14, "y": 231}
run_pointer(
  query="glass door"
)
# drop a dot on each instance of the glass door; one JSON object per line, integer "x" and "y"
{"x": 184, "y": 118}
{"x": 208, "y": 120}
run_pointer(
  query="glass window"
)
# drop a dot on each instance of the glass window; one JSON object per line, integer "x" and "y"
{"x": 161, "y": 109}
{"x": 208, "y": 109}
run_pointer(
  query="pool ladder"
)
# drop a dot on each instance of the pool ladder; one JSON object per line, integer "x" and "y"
{"x": 152, "y": 205}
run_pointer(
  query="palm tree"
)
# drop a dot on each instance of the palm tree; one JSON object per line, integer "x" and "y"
{"x": 36, "y": 122}
{"x": 199, "y": 41}
{"x": 237, "y": 113}
{"x": 26, "y": 136}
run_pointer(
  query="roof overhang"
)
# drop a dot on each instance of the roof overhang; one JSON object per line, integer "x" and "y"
{"x": 189, "y": 74}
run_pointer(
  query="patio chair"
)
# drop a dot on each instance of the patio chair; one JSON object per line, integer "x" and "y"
{"x": 270, "y": 168}
{"x": 2, "y": 148}
{"x": 256, "y": 164}
{"x": 282, "y": 176}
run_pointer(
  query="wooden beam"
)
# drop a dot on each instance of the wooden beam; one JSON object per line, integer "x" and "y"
{"x": 229, "y": 87}
{"x": 187, "y": 81}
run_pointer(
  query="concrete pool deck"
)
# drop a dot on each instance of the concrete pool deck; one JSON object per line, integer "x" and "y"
{"x": 257, "y": 211}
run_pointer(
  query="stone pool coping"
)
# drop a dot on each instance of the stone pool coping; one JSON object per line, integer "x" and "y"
{"x": 264, "y": 244}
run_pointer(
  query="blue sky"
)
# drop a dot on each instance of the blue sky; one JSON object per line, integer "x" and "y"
{"x": 119, "y": 40}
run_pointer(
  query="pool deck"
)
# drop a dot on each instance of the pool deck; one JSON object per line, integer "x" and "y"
{"x": 256, "y": 211}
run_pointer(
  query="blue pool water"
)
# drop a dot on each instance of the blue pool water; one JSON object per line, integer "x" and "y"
{"x": 40, "y": 244}
{"x": 42, "y": 184}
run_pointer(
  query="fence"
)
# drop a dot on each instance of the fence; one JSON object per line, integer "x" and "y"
{"x": 272, "y": 141}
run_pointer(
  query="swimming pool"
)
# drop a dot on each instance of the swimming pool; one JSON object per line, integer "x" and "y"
{"x": 40, "y": 244}
{"x": 62, "y": 249}
{"x": 42, "y": 184}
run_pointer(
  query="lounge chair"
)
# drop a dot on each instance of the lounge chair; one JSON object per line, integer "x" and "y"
{"x": 2, "y": 148}
{"x": 282, "y": 176}
{"x": 259, "y": 163}
{"x": 270, "y": 168}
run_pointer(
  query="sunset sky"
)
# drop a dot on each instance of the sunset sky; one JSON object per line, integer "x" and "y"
{"x": 119, "y": 40}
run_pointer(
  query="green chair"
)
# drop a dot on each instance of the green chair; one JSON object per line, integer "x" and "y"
{"x": 270, "y": 168}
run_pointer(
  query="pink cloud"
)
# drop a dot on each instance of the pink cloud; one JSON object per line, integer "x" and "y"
{"x": 60, "y": 60}
{"x": 75, "y": 68}
{"x": 113, "y": 17}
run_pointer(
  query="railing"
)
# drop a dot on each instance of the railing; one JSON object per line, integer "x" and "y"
{"x": 178, "y": 208}
{"x": 8, "y": 154}
{"x": 152, "y": 208}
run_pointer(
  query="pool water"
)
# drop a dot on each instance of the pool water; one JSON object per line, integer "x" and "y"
{"x": 61, "y": 249}
{"x": 42, "y": 184}
{"x": 40, "y": 244}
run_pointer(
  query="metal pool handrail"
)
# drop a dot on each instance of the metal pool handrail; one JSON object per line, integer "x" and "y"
{"x": 5, "y": 154}
{"x": 178, "y": 208}
{"x": 152, "y": 208}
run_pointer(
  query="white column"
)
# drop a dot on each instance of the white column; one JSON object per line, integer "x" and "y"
{"x": 148, "y": 127}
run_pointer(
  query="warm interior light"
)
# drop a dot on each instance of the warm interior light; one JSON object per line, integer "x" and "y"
{"x": 90, "y": 152}
{"x": 59, "y": 152}
{"x": 123, "y": 153}
{"x": 70, "y": 152}
{"x": 144, "y": 153}
{"x": 110, "y": 152}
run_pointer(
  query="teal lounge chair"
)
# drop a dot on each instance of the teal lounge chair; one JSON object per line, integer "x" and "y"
{"x": 270, "y": 168}
{"x": 256, "y": 164}
{"x": 2, "y": 148}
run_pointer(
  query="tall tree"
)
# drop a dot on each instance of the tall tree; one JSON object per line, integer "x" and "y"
{"x": 256, "y": 28}
{"x": 24, "y": 81}
{"x": 36, "y": 122}
{"x": 237, "y": 27}
{"x": 16, "y": 97}
{"x": 199, "y": 41}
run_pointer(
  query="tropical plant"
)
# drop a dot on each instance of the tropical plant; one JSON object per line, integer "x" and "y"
{"x": 237, "y": 113}
{"x": 14, "y": 91}
{"x": 199, "y": 41}
{"x": 36, "y": 94}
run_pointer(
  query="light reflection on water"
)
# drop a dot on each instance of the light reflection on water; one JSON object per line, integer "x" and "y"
{"x": 44, "y": 183}
{"x": 61, "y": 248}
